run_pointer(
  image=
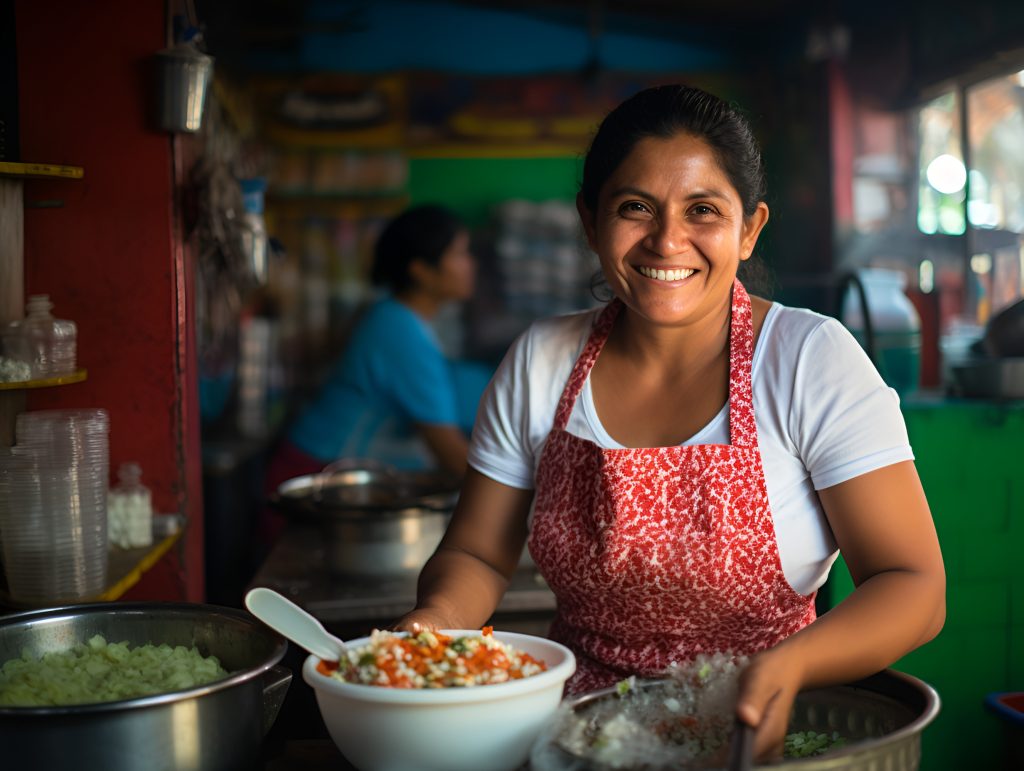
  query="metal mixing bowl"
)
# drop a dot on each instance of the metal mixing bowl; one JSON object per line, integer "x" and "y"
{"x": 216, "y": 726}
{"x": 881, "y": 718}
{"x": 376, "y": 521}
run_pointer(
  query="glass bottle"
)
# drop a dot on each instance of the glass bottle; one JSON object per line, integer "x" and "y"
{"x": 50, "y": 343}
{"x": 130, "y": 509}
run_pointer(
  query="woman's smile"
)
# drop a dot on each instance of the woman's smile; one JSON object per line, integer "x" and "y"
{"x": 669, "y": 275}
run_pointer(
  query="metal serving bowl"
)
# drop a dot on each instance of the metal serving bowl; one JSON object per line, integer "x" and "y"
{"x": 376, "y": 521}
{"x": 881, "y": 718}
{"x": 216, "y": 726}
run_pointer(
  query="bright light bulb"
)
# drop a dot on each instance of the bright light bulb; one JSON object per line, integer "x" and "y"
{"x": 947, "y": 174}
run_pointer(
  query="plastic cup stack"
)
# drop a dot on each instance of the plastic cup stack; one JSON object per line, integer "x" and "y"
{"x": 53, "y": 506}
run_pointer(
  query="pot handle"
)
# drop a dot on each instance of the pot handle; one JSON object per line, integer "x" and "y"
{"x": 275, "y": 687}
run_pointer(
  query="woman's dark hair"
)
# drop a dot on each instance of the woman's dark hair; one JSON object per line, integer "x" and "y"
{"x": 663, "y": 112}
{"x": 420, "y": 233}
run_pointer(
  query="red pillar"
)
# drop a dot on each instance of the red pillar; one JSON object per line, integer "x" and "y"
{"x": 111, "y": 254}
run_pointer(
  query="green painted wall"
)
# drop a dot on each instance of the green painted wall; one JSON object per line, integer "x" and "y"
{"x": 471, "y": 186}
{"x": 969, "y": 456}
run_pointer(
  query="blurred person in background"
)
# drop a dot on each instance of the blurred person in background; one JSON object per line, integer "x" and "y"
{"x": 393, "y": 397}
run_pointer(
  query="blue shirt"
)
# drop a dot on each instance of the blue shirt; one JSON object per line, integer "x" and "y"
{"x": 392, "y": 375}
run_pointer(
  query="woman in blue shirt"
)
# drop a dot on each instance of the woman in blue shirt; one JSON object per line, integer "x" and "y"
{"x": 393, "y": 396}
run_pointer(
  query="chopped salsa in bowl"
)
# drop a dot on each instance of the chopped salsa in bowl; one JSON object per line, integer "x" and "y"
{"x": 432, "y": 660}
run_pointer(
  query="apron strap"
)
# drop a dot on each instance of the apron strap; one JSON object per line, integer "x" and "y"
{"x": 742, "y": 427}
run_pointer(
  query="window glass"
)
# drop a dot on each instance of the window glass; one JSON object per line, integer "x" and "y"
{"x": 996, "y": 132}
{"x": 942, "y": 177}
{"x": 995, "y": 206}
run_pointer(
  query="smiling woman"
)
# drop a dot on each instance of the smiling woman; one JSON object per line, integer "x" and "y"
{"x": 686, "y": 463}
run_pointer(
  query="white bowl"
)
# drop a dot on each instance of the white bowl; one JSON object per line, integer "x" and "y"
{"x": 481, "y": 728}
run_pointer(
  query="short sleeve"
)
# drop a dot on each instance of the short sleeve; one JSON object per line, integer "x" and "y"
{"x": 500, "y": 444}
{"x": 517, "y": 410}
{"x": 845, "y": 420}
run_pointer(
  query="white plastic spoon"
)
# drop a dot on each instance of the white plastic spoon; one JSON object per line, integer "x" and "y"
{"x": 284, "y": 616}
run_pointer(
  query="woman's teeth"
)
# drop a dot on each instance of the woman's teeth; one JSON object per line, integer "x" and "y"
{"x": 666, "y": 275}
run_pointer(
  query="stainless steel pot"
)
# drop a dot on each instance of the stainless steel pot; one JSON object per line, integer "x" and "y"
{"x": 991, "y": 378}
{"x": 881, "y": 717}
{"x": 217, "y": 726}
{"x": 376, "y": 521}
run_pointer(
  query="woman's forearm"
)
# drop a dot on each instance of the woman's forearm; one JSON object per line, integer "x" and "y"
{"x": 463, "y": 582}
{"x": 459, "y": 587}
{"x": 888, "y": 615}
{"x": 448, "y": 444}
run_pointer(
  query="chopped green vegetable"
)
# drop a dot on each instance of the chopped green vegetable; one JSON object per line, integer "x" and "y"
{"x": 625, "y": 686}
{"x": 98, "y": 671}
{"x": 804, "y": 744}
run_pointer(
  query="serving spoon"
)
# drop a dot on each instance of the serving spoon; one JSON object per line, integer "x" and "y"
{"x": 284, "y": 616}
{"x": 741, "y": 747}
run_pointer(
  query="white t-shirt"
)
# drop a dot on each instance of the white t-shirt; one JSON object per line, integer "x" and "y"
{"x": 823, "y": 414}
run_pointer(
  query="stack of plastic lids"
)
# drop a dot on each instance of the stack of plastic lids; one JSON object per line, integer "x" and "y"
{"x": 53, "y": 506}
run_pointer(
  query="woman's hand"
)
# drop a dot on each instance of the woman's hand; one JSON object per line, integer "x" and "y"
{"x": 768, "y": 686}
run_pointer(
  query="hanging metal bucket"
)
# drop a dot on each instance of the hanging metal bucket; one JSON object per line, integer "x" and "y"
{"x": 184, "y": 75}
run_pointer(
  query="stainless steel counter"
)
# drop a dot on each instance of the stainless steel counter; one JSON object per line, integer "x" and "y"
{"x": 296, "y": 567}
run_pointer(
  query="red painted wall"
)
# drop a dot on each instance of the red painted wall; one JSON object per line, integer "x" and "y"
{"x": 111, "y": 255}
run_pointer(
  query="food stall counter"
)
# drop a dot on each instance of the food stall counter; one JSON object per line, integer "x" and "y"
{"x": 352, "y": 605}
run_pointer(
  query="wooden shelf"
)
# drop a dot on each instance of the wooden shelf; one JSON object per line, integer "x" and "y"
{"x": 128, "y": 565}
{"x": 125, "y": 569}
{"x": 22, "y": 170}
{"x": 539, "y": 149}
{"x": 336, "y": 206}
{"x": 335, "y": 195}
{"x": 45, "y": 382}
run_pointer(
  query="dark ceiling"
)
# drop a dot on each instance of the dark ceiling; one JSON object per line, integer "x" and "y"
{"x": 277, "y": 22}
{"x": 900, "y": 46}
{"x": 720, "y": 12}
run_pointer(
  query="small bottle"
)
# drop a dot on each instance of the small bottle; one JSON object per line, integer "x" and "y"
{"x": 255, "y": 242}
{"x": 130, "y": 509}
{"x": 50, "y": 343}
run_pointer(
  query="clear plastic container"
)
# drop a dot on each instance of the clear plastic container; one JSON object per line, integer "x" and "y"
{"x": 49, "y": 343}
{"x": 130, "y": 509}
{"x": 53, "y": 506}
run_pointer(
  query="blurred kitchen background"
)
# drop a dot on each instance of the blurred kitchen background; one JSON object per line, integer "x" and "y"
{"x": 213, "y": 254}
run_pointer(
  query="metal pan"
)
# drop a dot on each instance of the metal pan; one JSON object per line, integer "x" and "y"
{"x": 217, "y": 726}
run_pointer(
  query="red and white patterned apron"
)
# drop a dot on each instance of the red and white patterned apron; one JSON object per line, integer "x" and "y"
{"x": 658, "y": 554}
